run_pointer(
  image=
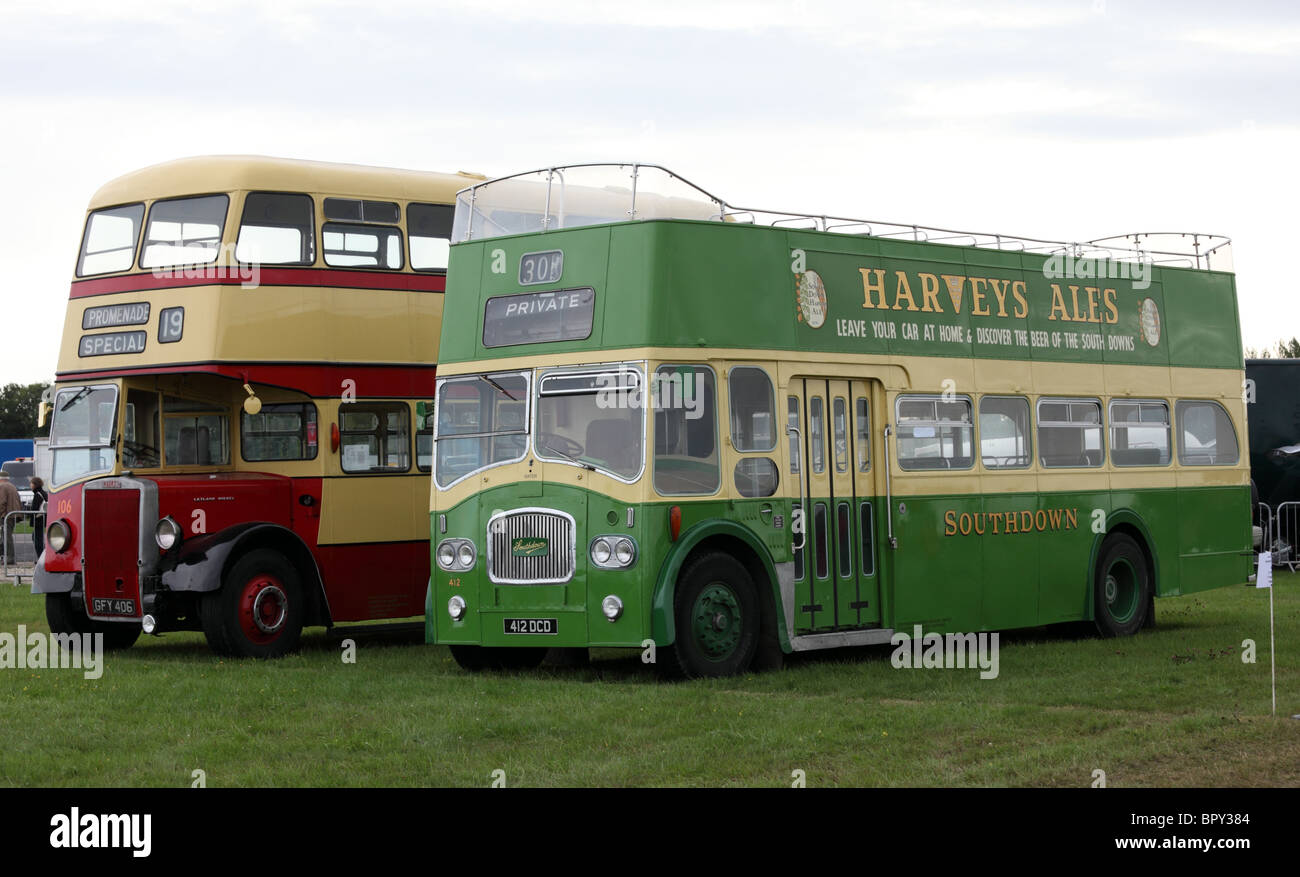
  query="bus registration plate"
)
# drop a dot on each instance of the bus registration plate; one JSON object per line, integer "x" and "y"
{"x": 112, "y": 606}
{"x": 532, "y": 625}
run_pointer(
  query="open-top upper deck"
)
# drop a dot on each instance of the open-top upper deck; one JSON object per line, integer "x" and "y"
{"x": 550, "y": 262}
{"x": 591, "y": 194}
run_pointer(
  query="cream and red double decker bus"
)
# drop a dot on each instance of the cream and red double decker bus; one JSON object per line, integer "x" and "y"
{"x": 733, "y": 434}
{"x": 235, "y": 438}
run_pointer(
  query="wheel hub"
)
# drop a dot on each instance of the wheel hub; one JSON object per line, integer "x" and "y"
{"x": 717, "y": 622}
{"x": 270, "y": 608}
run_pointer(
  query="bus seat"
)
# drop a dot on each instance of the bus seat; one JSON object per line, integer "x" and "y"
{"x": 203, "y": 446}
{"x": 187, "y": 453}
{"x": 1135, "y": 456}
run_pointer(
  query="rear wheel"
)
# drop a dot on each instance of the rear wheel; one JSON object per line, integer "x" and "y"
{"x": 258, "y": 611}
{"x": 476, "y": 658}
{"x": 716, "y": 614}
{"x": 63, "y": 617}
{"x": 1122, "y": 593}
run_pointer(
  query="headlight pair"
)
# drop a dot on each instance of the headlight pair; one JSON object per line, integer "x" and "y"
{"x": 612, "y": 552}
{"x": 456, "y": 555}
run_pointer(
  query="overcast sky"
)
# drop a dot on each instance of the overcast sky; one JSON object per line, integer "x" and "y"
{"x": 1070, "y": 121}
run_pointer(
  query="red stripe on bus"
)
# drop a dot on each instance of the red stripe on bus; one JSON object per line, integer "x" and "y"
{"x": 324, "y": 277}
{"x": 319, "y": 380}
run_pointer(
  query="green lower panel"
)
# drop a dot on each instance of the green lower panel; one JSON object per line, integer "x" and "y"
{"x": 963, "y": 562}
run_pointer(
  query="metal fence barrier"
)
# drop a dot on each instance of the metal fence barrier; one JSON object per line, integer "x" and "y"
{"x": 1262, "y": 521}
{"x": 1286, "y": 535}
{"x": 18, "y": 572}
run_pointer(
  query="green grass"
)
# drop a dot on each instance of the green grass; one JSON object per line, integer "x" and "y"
{"x": 1175, "y": 706}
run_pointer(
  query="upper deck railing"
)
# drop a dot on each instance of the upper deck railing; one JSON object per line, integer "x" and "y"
{"x": 571, "y": 196}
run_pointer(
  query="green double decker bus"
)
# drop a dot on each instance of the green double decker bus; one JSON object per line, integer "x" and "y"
{"x": 721, "y": 435}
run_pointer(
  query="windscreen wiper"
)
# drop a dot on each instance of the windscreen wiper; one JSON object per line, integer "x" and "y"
{"x": 583, "y": 463}
{"x": 500, "y": 388}
{"x": 75, "y": 398}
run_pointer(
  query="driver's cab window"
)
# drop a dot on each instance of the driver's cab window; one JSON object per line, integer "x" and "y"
{"x": 140, "y": 445}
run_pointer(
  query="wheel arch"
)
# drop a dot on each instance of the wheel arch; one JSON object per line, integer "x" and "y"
{"x": 203, "y": 563}
{"x": 732, "y": 539}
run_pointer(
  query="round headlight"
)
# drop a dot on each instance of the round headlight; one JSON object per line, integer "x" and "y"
{"x": 466, "y": 555}
{"x": 600, "y": 551}
{"x": 57, "y": 535}
{"x": 446, "y": 555}
{"x": 456, "y": 607}
{"x": 612, "y": 606}
{"x": 624, "y": 552}
{"x": 166, "y": 533}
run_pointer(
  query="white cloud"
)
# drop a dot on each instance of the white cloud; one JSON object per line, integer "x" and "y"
{"x": 985, "y": 117}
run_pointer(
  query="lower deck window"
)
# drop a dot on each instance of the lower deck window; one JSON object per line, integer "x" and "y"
{"x": 686, "y": 435}
{"x": 375, "y": 437}
{"x": 282, "y": 431}
{"x": 935, "y": 433}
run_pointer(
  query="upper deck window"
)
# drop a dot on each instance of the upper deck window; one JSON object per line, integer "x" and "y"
{"x": 184, "y": 231}
{"x": 277, "y": 229}
{"x": 362, "y": 246}
{"x": 538, "y": 317}
{"x": 429, "y": 226}
{"x": 110, "y": 239}
{"x": 357, "y": 210}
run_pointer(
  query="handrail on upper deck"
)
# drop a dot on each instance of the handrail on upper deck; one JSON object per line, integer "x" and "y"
{"x": 1206, "y": 250}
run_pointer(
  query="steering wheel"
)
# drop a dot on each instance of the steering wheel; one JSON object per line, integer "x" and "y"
{"x": 144, "y": 455}
{"x": 556, "y": 442}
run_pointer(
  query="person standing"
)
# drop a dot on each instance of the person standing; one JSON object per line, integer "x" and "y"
{"x": 39, "y": 498}
{"x": 10, "y": 501}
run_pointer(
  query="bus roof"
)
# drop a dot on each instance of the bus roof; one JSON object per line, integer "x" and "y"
{"x": 217, "y": 173}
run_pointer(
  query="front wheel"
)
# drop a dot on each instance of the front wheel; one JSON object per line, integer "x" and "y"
{"x": 258, "y": 611}
{"x": 1122, "y": 587}
{"x": 716, "y": 613}
{"x": 65, "y": 618}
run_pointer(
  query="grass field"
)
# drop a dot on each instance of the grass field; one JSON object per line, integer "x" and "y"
{"x": 1175, "y": 706}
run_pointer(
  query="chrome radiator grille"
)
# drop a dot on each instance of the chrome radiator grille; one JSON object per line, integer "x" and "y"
{"x": 530, "y": 547}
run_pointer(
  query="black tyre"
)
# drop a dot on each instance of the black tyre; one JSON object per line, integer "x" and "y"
{"x": 63, "y": 617}
{"x": 1122, "y": 592}
{"x": 717, "y": 617}
{"x": 476, "y": 658}
{"x": 258, "y": 611}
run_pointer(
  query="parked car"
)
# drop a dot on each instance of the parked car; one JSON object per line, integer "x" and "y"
{"x": 20, "y": 473}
